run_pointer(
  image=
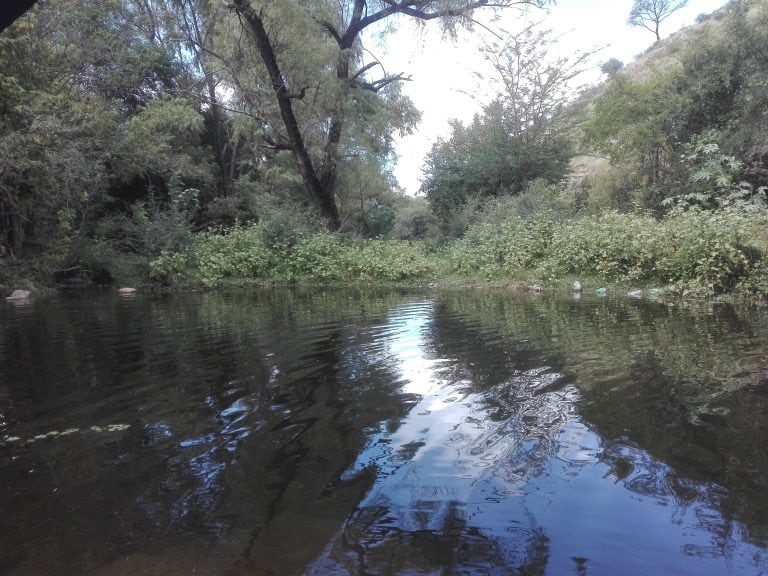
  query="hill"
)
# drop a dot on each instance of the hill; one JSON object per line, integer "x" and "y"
{"x": 685, "y": 121}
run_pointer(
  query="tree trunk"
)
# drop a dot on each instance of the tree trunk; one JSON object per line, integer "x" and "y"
{"x": 329, "y": 169}
{"x": 17, "y": 235}
{"x": 322, "y": 195}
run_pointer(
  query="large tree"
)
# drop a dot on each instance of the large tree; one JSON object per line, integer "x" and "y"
{"x": 649, "y": 14}
{"x": 343, "y": 23}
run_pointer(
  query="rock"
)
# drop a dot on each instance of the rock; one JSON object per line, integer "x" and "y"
{"x": 635, "y": 293}
{"x": 535, "y": 288}
{"x": 127, "y": 291}
{"x": 19, "y": 295}
{"x": 576, "y": 286}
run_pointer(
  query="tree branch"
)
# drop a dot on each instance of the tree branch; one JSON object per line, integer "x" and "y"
{"x": 377, "y": 85}
{"x": 363, "y": 70}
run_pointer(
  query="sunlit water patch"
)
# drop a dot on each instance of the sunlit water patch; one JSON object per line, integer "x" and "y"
{"x": 332, "y": 432}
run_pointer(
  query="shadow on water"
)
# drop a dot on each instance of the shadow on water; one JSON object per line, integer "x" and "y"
{"x": 330, "y": 432}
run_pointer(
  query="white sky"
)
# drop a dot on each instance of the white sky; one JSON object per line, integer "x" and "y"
{"x": 442, "y": 71}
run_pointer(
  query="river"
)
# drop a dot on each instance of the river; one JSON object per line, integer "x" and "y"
{"x": 336, "y": 432}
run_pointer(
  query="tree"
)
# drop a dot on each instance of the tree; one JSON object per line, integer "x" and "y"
{"x": 343, "y": 23}
{"x": 649, "y": 14}
{"x": 523, "y": 134}
{"x": 611, "y": 67}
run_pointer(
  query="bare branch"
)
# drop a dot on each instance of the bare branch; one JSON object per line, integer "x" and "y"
{"x": 377, "y": 85}
{"x": 363, "y": 70}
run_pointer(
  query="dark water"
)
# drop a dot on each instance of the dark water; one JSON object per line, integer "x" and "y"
{"x": 307, "y": 432}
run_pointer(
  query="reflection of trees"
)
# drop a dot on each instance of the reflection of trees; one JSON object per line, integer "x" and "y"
{"x": 244, "y": 409}
{"x": 685, "y": 386}
{"x": 372, "y": 543}
{"x": 717, "y": 459}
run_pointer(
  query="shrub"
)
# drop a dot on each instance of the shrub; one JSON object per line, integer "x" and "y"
{"x": 250, "y": 253}
{"x": 236, "y": 253}
{"x": 612, "y": 246}
{"x": 496, "y": 249}
{"x": 713, "y": 249}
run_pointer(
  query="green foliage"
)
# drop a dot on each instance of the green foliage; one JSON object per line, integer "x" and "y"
{"x": 251, "y": 254}
{"x": 706, "y": 251}
{"x": 702, "y": 100}
{"x": 239, "y": 253}
{"x": 485, "y": 160}
{"x": 521, "y": 136}
{"x": 164, "y": 140}
{"x": 711, "y": 250}
{"x": 414, "y": 220}
{"x": 378, "y": 221}
{"x": 612, "y": 246}
{"x": 168, "y": 267}
{"x": 501, "y": 249}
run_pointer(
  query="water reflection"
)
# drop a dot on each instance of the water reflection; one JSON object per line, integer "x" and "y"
{"x": 389, "y": 433}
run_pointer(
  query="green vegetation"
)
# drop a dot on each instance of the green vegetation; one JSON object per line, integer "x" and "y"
{"x": 246, "y": 255}
{"x": 696, "y": 252}
{"x": 194, "y": 144}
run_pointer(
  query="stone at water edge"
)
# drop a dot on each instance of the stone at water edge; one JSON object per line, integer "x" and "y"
{"x": 127, "y": 291}
{"x": 576, "y": 287}
{"x": 19, "y": 295}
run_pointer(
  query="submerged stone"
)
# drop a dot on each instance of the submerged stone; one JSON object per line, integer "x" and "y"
{"x": 18, "y": 295}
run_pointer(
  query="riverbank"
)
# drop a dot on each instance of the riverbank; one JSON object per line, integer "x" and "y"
{"x": 696, "y": 254}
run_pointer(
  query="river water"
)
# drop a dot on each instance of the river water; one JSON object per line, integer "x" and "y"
{"x": 384, "y": 432}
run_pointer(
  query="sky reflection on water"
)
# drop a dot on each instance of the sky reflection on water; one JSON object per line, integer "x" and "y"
{"x": 511, "y": 480}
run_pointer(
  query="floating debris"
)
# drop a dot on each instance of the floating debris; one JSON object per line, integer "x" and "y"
{"x": 6, "y": 440}
{"x": 601, "y": 291}
{"x": 117, "y": 427}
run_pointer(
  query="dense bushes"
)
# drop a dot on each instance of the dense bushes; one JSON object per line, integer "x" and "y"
{"x": 704, "y": 252}
{"x": 710, "y": 252}
{"x": 250, "y": 253}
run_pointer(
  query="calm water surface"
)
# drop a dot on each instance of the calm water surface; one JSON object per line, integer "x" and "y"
{"x": 328, "y": 432}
